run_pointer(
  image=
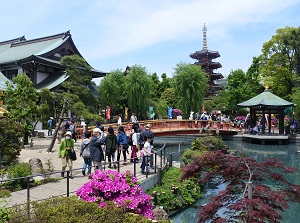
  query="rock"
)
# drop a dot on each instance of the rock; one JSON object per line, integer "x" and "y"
{"x": 36, "y": 165}
{"x": 160, "y": 213}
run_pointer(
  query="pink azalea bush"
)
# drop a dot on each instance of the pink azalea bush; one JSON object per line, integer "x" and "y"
{"x": 121, "y": 188}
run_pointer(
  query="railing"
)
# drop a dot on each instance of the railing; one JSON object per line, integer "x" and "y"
{"x": 160, "y": 160}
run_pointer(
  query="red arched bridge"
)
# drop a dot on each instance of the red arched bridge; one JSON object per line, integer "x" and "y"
{"x": 169, "y": 127}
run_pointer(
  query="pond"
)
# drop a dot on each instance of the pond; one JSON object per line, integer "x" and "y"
{"x": 286, "y": 153}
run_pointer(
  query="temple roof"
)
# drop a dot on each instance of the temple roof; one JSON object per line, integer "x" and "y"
{"x": 205, "y": 53}
{"x": 20, "y": 50}
{"x": 266, "y": 99}
{"x": 17, "y": 50}
{"x": 3, "y": 80}
{"x": 213, "y": 65}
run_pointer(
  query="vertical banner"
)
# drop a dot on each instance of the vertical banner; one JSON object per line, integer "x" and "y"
{"x": 151, "y": 112}
{"x": 170, "y": 109}
{"x": 126, "y": 113}
{"x": 108, "y": 112}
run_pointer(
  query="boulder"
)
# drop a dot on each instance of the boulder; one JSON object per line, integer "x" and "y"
{"x": 160, "y": 213}
{"x": 36, "y": 165}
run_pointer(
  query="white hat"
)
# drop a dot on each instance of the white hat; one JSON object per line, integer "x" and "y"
{"x": 96, "y": 130}
{"x": 68, "y": 133}
{"x": 51, "y": 117}
{"x": 148, "y": 126}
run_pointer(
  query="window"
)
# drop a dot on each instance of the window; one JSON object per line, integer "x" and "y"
{"x": 10, "y": 74}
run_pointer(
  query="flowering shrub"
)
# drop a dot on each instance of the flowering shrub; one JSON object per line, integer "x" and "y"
{"x": 121, "y": 188}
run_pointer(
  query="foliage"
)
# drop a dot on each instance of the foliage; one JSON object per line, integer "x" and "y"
{"x": 4, "y": 193}
{"x": 161, "y": 109}
{"x": 137, "y": 86}
{"x": 74, "y": 210}
{"x": 190, "y": 84}
{"x": 169, "y": 97}
{"x": 112, "y": 93}
{"x": 10, "y": 145}
{"x": 5, "y": 212}
{"x": 121, "y": 188}
{"x": 201, "y": 145}
{"x": 280, "y": 61}
{"x": 233, "y": 202}
{"x": 16, "y": 171}
{"x": 184, "y": 193}
{"x": 78, "y": 87}
{"x": 162, "y": 86}
{"x": 21, "y": 100}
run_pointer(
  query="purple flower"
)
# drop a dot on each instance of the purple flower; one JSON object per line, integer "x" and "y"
{"x": 121, "y": 188}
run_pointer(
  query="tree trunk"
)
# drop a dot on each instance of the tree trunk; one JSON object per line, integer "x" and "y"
{"x": 57, "y": 126}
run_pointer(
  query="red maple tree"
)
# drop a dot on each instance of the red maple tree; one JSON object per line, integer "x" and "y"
{"x": 255, "y": 191}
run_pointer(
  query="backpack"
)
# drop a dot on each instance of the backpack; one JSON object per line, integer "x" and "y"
{"x": 130, "y": 142}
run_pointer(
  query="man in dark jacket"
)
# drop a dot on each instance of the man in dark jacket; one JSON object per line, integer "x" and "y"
{"x": 147, "y": 132}
{"x": 111, "y": 145}
{"x": 97, "y": 148}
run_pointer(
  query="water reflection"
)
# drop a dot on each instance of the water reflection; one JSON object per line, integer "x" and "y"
{"x": 286, "y": 153}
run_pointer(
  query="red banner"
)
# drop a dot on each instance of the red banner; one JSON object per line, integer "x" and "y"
{"x": 107, "y": 112}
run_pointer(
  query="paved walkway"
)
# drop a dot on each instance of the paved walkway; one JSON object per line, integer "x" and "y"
{"x": 58, "y": 188}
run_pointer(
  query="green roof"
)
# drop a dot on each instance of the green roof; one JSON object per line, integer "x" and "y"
{"x": 266, "y": 99}
{"x": 3, "y": 80}
{"x": 11, "y": 52}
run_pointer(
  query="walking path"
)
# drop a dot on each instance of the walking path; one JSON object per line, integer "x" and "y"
{"x": 59, "y": 188}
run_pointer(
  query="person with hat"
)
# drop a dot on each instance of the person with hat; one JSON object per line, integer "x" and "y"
{"x": 147, "y": 132}
{"x": 65, "y": 146}
{"x": 97, "y": 147}
{"x": 50, "y": 124}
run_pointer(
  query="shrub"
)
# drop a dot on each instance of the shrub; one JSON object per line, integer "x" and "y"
{"x": 121, "y": 188}
{"x": 201, "y": 145}
{"x": 5, "y": 212}
{"x": 15, "y": 171}
{"x": 173, "y": 194}
{"x": 74, "y": 210}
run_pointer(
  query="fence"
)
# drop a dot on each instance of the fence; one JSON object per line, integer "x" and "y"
{"x": 67, "y": 187}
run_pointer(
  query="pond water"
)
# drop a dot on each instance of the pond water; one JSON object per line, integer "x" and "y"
{"x": 286, "y": 153}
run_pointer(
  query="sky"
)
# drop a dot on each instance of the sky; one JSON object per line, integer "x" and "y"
{"x": 156, "y": 34}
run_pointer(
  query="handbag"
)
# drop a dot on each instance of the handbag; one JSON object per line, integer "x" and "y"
{"x": 72, "y": 154}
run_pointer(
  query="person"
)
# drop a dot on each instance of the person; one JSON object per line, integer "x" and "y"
{"x": 133, "y": 118}
{"x": 147, "y": 148}
{"x": 67, "y": 126}
{"x": 204, "y": 119}
{"x": 111, "y": 145}
{"x": 143, "y": 135}
{"x": 96, "y": 148}
{"x": 86, "y": 153}
{"x": 66, "y": 145}
{"x": 122, "y": 143}
{"x": 134, "y": 148}
{"x": 50, "y": 124}
{"x": 255, "y": 130}
{"x": 120, "y": 120}
{"x": 72, "y": 130}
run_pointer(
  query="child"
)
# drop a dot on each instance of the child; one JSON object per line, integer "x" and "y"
{"x": 146, "y": 155}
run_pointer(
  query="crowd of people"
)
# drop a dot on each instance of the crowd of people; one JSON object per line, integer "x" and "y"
{"x": 100, "y": 145}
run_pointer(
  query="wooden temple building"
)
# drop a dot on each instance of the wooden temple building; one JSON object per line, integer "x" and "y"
{"x": 205, "y": 59}
{"x": 39, "y": 59}
{"x": 262, "y": 107}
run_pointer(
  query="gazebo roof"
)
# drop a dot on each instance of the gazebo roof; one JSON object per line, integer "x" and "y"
{"x": 268, "y": 100}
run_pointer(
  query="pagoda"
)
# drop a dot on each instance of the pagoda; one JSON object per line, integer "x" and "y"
{"x": 204, "y": 59}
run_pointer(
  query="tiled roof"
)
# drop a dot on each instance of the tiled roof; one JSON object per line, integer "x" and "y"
{"x": 266, "y": 99}
{"x": 17, "y": 50}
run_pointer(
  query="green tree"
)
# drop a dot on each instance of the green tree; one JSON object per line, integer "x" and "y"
{"x": 169, "y": 97}
{"x": 280, "y": 61}
{"x": 10, "y": 145}
{"x": 137, "y": 85}
{"x": 111, "y": 91}
{"x": 190, "y": 84}
{"x": 21, "y": 101}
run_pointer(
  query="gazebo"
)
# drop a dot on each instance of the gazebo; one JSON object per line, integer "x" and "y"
{"x": 266, "y": 104}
